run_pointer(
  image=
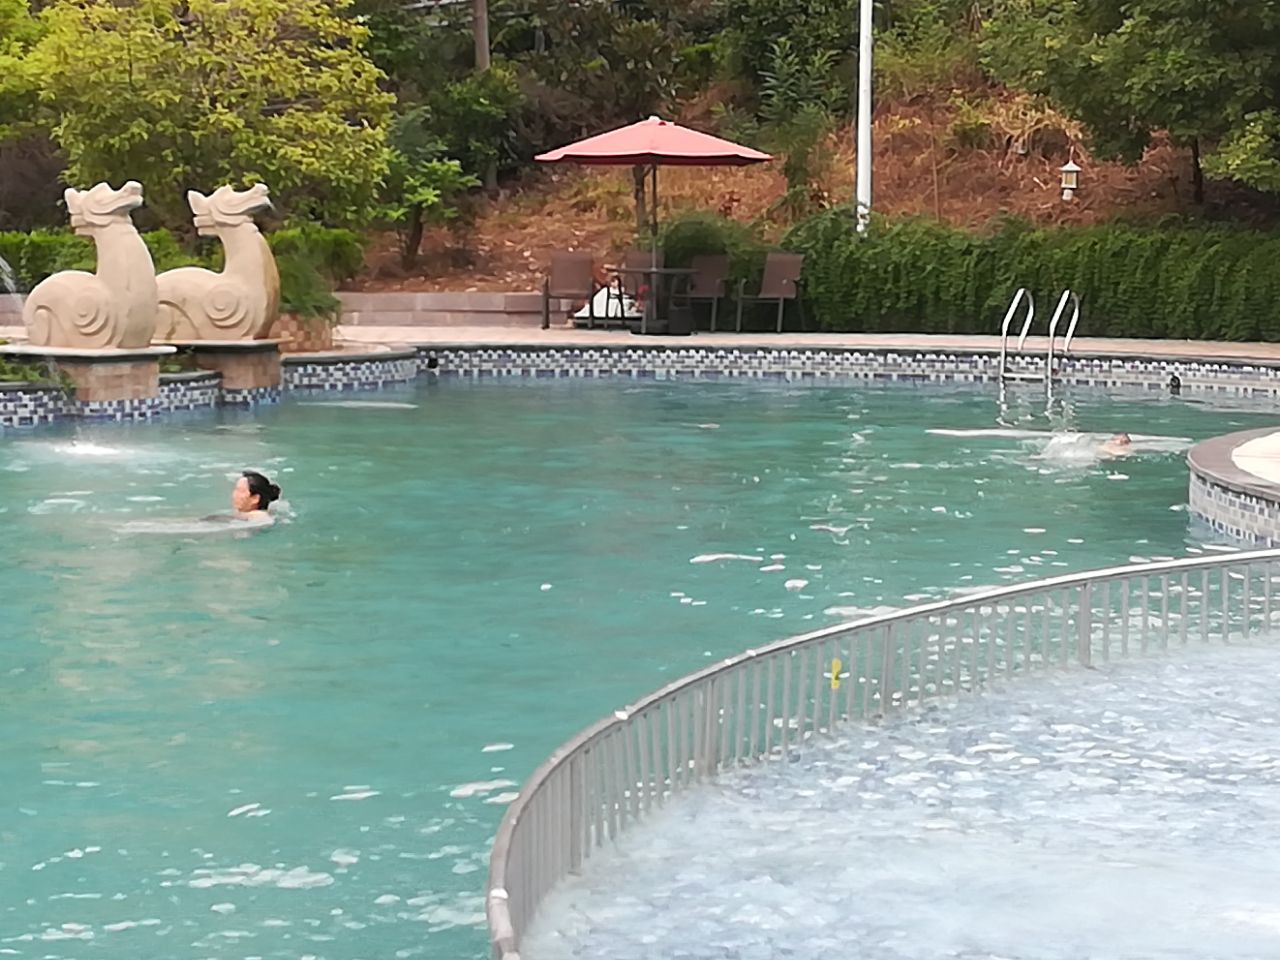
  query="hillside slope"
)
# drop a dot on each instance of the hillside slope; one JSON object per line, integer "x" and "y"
{"x": 931, "y": 159}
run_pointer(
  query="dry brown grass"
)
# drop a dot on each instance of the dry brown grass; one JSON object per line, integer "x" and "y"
{"x": 932, "y": 160}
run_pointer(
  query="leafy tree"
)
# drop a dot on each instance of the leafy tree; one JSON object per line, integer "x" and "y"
{"x": 18, "y": 30}
{"x": 827, "y": 27}
{"x": 796, "y": 107}
{"x": 423, "y": 186}
{"x": 473, "y": 118}
{"x": 1204, "y": 72}
{"x": 417, "y": 49}
{"x": 1251, "y": 152}
{"x": 218, "y": 91}
{"x": 593, "y": 68}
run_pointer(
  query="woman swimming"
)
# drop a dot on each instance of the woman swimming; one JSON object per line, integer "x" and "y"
{"x": 252, "y": 495}
{"x": 250, "y": 498}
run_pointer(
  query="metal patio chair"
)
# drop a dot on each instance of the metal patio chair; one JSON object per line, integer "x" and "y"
{"x": 780, "y": 283}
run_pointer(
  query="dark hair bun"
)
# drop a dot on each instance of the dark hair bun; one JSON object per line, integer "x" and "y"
{"x": 275, "y": 491}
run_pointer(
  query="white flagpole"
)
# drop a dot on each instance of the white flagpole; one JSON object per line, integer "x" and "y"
{"x": 864, "y": 115}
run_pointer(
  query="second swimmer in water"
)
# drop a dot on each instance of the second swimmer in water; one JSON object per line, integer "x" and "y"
{"x": 1121, "y": 445}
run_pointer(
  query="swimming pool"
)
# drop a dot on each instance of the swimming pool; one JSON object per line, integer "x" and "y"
{"x": 299, "y": 742}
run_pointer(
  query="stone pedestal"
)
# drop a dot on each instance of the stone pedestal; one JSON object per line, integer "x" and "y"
{"x": 302, "y": 336}
{"x": 115, "y": 384}
{"x": 250, "y": 369}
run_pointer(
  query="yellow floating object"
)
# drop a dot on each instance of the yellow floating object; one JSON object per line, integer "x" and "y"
{"x": 835, "y": 673}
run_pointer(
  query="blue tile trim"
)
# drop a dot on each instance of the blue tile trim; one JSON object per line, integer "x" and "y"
{"x": 354, "y": 374}
{"x": 1246, "y": 517}
{"x": 254, "y": 397}
{"x": 22, "y": 406}
{"x": 816, "y": 364}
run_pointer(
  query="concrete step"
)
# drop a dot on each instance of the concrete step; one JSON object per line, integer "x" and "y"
{"x": 474, "y": 309}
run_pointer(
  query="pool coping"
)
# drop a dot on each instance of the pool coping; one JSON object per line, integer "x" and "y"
{"x": 1229, "y": 498}
{"x": 1212, "y": 459}
{"x": 1254, "y": 353}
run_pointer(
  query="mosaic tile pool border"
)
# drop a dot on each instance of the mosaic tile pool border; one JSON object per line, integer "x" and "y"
{"x": 131, "y": 410}
{"x": 190, "y": 391}
{"x": 30, "y": 406}
{"x": 829, "y": 363}
{"x": 250, "y": 397}
{"x": 1249, "y": 518}
{"x": 368, "y": 372}
{"x": 336, "y": 372}
{"x": 1233, "y": 501}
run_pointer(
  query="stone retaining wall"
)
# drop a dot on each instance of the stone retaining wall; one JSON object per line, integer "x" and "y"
{"x": 474, "y": 309}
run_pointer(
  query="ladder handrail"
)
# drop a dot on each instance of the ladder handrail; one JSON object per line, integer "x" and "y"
{"x": 1052, "y": 328}
{"x": 1068, "y": 296}
{"x": 1008, "y": 318}
{"x": 1026, "y": 326}
{"x": 1071, "y": 327}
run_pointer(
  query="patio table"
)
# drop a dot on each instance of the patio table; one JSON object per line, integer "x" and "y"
{"x": 661, "y": 280}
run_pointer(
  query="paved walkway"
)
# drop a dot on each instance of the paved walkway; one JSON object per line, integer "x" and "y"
{"x": 562, "y": 337}
{"x": 567, "y": 337}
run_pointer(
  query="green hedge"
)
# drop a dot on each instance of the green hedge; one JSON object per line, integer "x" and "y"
{"x": 313, "y": 260}
{"x": 1173, "y": 280}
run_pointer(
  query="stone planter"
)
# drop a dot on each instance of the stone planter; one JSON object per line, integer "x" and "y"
{"x": 296, "y": 335}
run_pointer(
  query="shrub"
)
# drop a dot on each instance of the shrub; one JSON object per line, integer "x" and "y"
{"x": 15, "y": 370}
{"x": 338, "y": 254}
{"x": 1176, "y": 280}
{"x": 312, "y": 260}
{"x": 698, "y": 233}
{"x": 33, "y": 256}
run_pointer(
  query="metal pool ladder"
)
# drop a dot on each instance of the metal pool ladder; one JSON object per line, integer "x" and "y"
{"x": 1068, "y": 297}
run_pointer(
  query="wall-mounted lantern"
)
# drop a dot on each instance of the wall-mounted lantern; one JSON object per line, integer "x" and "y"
{"x": 1070, "y": 179}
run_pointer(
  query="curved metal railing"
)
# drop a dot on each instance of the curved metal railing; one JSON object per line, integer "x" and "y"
{"x": 765, "y": 703}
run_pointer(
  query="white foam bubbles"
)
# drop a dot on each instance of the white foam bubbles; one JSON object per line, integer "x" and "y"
{"x": 479, "y": 787}
{"x": 253, "y": 875}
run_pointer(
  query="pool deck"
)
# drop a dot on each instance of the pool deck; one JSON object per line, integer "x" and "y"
{"x": 443, "y": 336}
{"x": 567, "y": 337}
{"x": 1260, "y": 457}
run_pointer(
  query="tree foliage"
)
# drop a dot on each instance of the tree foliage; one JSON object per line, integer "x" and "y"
{"x": 590, "y": 68}
{"x": 18, "y": 31}
{"x": 214, "y": 92}
{"x": 1202, "y": 72}
{"x": 796, "y": 106}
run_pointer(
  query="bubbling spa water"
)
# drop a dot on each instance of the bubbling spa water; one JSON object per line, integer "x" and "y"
{"x": 299, "y": 741}
{"x": 1116, "y": 813}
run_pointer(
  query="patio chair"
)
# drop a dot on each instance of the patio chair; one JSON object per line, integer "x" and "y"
{"x": 780, "y": 283}
{"x": 570, "y": 276}
{"x": 710, "y": 274}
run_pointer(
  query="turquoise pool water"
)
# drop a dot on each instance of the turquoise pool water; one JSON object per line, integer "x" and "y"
{"x": 299, "y": 742}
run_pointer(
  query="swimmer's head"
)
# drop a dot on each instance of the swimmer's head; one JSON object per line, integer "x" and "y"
{"x": 252, "y": 492}
{"x": 1121, "y": 440}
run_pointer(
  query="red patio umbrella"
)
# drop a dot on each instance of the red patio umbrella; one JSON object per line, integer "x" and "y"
{"x": 654, "y": 143}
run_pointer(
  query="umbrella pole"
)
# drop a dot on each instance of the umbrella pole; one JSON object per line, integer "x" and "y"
{"x": 653, "y": 217}
{"x": 654, "y": 279}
